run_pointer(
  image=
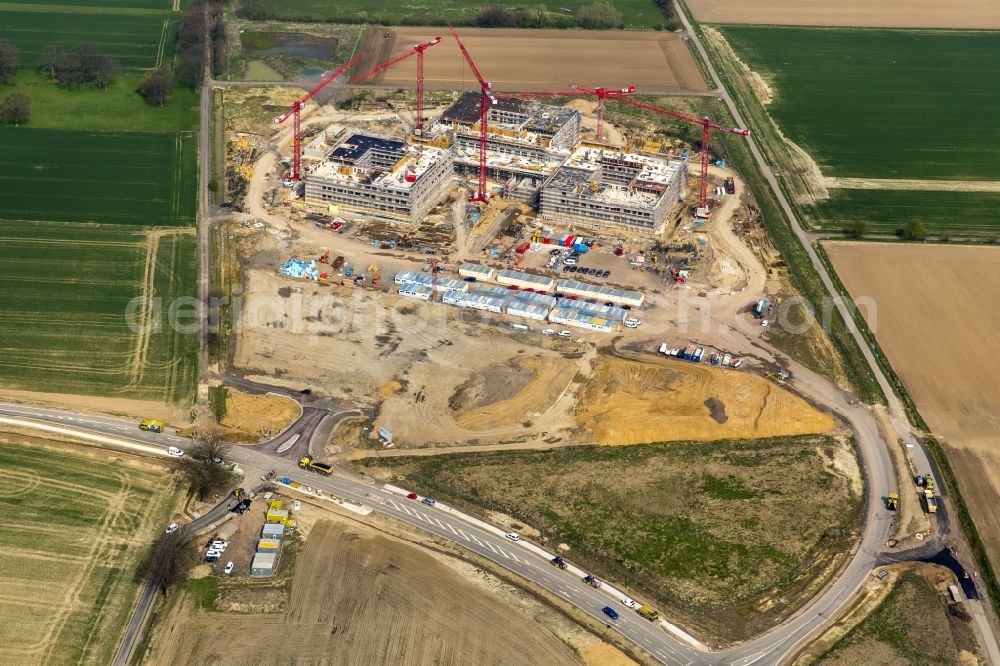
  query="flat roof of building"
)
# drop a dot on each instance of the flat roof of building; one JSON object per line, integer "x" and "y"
{"x": 572, "y": 314}
{"x": 461, "y": 297}
{"x": 609, "y": 293}
{"x": 606, "y": 311}
{"x": 582, "y": 176}
{"x": 534, "y": 297}
{"x": 356, "y": 145}
{"x": 465, "y": 109}
{"x": 541, "y": 280}
{"x": 544, "y": 119}
{"x": 528, "y": 308}
{"x": 415, "y": 288}
{"x": 478, "y": 269}
{"x": 412, "y": 161}
{"x": 263, "y": 559}
{"x": 490, "y": 290}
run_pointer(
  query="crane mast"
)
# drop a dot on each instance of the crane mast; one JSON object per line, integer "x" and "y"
{"x": 486, "y": 100}
{"x": 417, "y": 50}
{"x": 296, "y": 109}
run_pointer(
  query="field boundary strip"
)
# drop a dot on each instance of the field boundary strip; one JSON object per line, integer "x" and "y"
{"x": 78, "y": 9}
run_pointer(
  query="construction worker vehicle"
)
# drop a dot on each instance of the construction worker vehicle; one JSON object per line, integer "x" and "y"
{"x": 892, "y": 501}
{"x": 558, "y": 561}
{"x": 649, "y": 613}
{"x": 314, "y": 466}
{"x": 151, "y": 425}
{"x": 932, "y": 505}
{"x": 591, "y": 581}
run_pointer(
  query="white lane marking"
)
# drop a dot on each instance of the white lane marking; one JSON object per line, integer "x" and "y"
{"x": 464, "y": 535}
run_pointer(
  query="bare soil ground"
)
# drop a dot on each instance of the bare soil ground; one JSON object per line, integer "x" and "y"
{"x": 509, "y": 59}
{"x": 265, "y": 415}
{"x": 936, "y": 311}
{"x": 380, "y": 598}
{"x": 972, "y": 14}
{"x": 631, "y": 402}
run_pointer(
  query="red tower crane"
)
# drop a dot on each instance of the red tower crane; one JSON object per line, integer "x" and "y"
{"x": 486, "y": 100}
{"x": 296, "y": 109}
{"x": 706, "y": 125}
{"x": 419, "y": 51}
{"x": 577, "y": 91}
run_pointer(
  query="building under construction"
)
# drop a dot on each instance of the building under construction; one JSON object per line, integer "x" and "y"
{"x": 381, "y": 177}
{"x": 606, "y": 188}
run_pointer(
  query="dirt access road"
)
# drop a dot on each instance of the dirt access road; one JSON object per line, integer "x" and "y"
{"x": 378, "y": 597}
{"x": 936, "y": 314}
{"x": 654, "y": 62}
{"x": 971, "y": 14}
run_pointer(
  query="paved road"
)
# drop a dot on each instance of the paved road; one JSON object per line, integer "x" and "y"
{"x": 767, "y": 649}
{"x": 136, "y": 624}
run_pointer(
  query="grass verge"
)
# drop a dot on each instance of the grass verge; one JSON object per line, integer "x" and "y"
{"x": 730, "y": 537}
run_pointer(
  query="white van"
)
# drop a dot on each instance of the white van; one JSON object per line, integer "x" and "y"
{"x": 632, "y": 322}
{"x": 565, "y": 334}
{"x": 549, "y": 331}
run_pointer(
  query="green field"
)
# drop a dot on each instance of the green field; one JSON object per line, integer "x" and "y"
{"x": 88, "y": 108}
{"x": 710, "y": 532}
{"x": 636, "y": 14}
{"x": 888, "y": 211}
{"x": 66, "y": 291}
{"x": 77, "y": 528}
{"x": 116, "y": 5}
{"x": 132, "y": 178}
{"x": 912, "y": 626}
{"x": 135, "y": 42}
{"x": 883, "y": 103}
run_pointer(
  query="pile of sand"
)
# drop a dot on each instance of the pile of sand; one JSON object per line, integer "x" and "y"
{"x": 631, "y": 402}
{"x": 265, "y": 415}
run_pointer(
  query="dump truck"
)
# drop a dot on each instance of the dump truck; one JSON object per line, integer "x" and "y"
{"x": 151, "y": 425}
{"x": 313, "y": 465}
{"x": 591, "y": 581}
{"x": 649, "y": 613}
{"x": 932, "y": 505}
{"x": 892, "y": 501}
{"x": 730, "y": 185}
{"x": 558, "y": 561}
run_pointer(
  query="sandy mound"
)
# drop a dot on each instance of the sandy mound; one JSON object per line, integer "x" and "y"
{"x": 629, "y": 402}
{"x": 265, "y": 415}
{"x": 547, "y": 378}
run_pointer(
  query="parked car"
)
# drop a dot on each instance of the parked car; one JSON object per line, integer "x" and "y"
{"x": 288, "y": 182}
{"x": 469, "y": 279}
{"x": 566, "y": 269}
{"x": 229, "y": 568}
{"x": 513, "y": 536}
{"x": 174, "y": 451}
{"x": 171, "y": 528}
{"x": 630, "y": 603}
{"x": 606, "y": 274}
{"x": 428, "y": 501}
{"x": 565, "y": 334}
{"x": 548, "y": 331}
{"x": 632, "y": 322}
{"x": 610, "y": 612}
{"x": 296, "y": 505}
{"x": 570, "y": 261}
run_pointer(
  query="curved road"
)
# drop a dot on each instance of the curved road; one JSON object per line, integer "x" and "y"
{"x": 665, "y": 647}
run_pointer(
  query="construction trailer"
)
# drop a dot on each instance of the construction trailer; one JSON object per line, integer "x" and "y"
{"x": 586, "y": 290}
{"x": 484, "y": 273}
{"x": 415, "y": 290}
{"x": 273, "y": 531}
{"x": 263, "y": 565}
{"x": 521, "y": 280}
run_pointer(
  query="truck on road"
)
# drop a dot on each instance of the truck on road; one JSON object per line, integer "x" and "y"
{"x": 591, "y": 581}
{"x": 313, "y": 465}
{"x": 558, "y": 561}
{"x": 649, "y": 613}
{"x": 152, "y": 425}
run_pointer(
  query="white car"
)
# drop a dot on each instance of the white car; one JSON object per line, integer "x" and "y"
{"x": 549, "y": 331}
{"x": 565, "y": 334}
{"x": 513, "y": 536}
{"x": 569, "y": 261}
{"x": 229, "y": 568}
{"x": 632, "y": 322}
{"x": 171, "y": 528}
{"x": 175, "y": 452}
{"x": 631, "y": 603}
{"x": 288, "y": 182}
{"x": 296, "y": 505}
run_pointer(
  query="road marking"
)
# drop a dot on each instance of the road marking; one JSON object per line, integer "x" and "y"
{"x": 464, "y": 535}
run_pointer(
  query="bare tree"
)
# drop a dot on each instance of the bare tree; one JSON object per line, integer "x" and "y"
{"x": 9, "y": 62}
{"x": 204, "y": 464}
{"x": 155, "y": 87}
{"x": 15, "y": 109}
{"x": 51, "y": 54}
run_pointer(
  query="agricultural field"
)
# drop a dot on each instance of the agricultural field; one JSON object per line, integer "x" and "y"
{"x": 970, "y": 14}
{"x": 712, "y": 532}
{"x": 381, "y": 597}
{"x": 65, "y": 304}
{"x": 653, "y": 62}
{"x": 936, "y": 316}
{"x": 78, "y": 528}
{"x": 636, "y": 14}
{"x": 130, "y": 178}
{"x": 91, "y": 5}
{"x": 888, "y": 211}
{"x": 912, "y": 625}
{"x": 919, "y": 122}
{"x": 135, "y": 41}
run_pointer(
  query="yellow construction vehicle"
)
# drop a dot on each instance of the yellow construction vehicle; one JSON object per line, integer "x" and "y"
{"x": 892, "y": 501}
{"x": 932, "y": 505}
{"x": 151, "y": 425}
{"x": 649, "y": 613}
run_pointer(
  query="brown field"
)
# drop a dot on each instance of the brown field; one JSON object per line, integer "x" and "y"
{"x": 973, "y": 14}
{"x": 379, "y": 599}
{"x": 265, "y": 415}
{"x": 938, "y": 320}
{"x": 630, "y": 402}
{"x": 543, "y": 59}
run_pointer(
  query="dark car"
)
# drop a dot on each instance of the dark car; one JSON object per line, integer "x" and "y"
{"x": 610, "y": 612}
{"x": 572, "y": 269}
{"x": 566, "y": 269}
{"x": 606, "y": 274}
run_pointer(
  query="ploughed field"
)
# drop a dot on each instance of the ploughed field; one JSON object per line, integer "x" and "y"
{"x": 973, "y": 14}
{"x": 78, "y": 527}
{"x": 934, "y": 310}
